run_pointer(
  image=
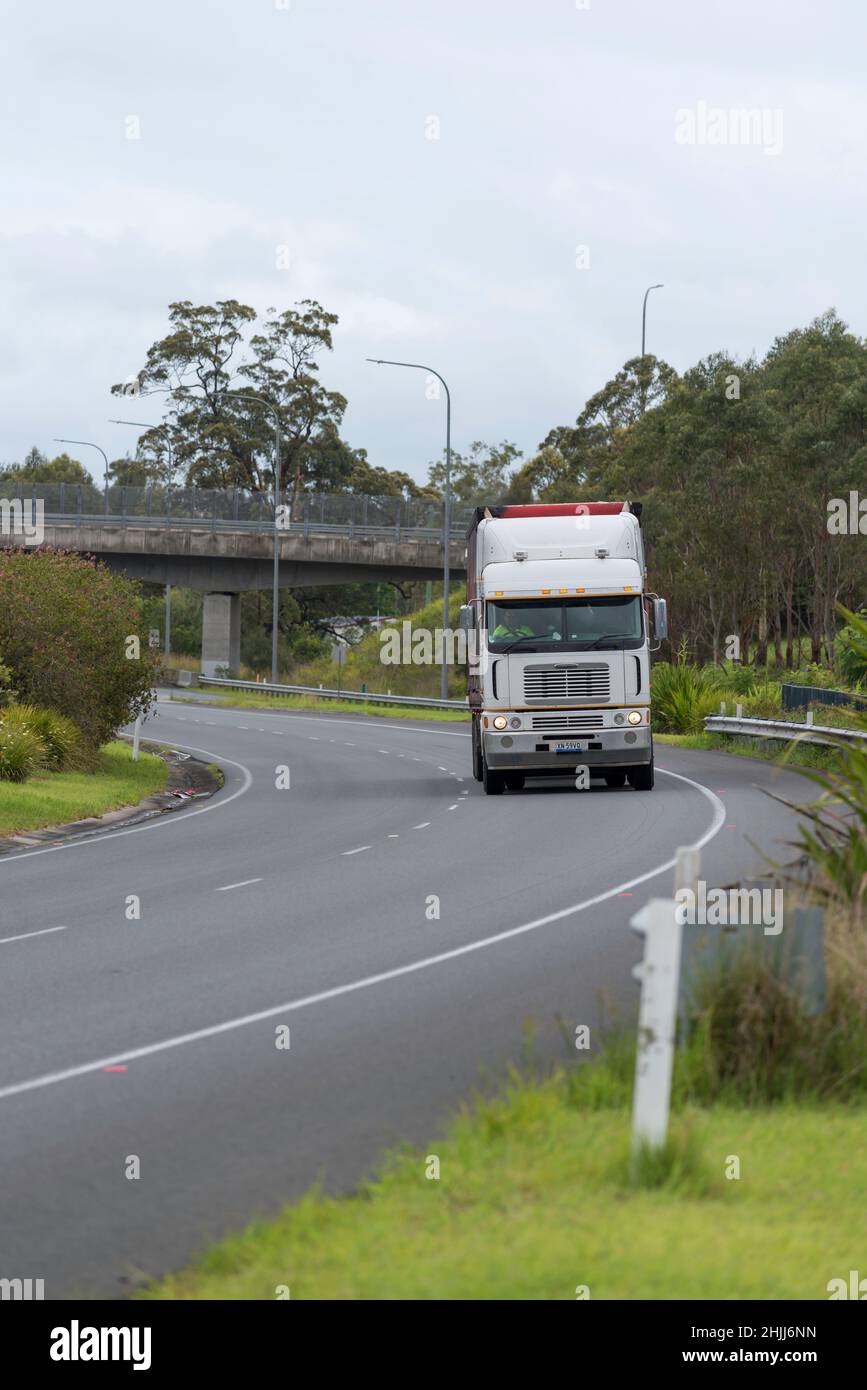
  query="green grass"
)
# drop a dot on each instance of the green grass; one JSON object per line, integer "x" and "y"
{"x": 55, "y": 798}
{"x": 768, "y": 750}
{"x": 335, "y": 706}
{"x": 535, "y": 1198}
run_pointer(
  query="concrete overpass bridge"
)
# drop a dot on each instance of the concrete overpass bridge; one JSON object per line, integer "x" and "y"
{"x": 223, "y": 542}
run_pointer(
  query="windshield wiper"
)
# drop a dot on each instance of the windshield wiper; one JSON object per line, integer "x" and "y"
{"x": 526, "y": 637}
{"x": 606, "y": 637}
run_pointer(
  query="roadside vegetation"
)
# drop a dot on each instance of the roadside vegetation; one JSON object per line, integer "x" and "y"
{"x": 58, "y": 798}
{"x": 74, "y": 667}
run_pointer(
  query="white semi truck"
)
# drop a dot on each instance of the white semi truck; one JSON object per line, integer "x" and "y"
{"x": 557, "y": 617}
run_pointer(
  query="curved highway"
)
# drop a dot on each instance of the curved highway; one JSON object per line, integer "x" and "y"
{"x": 310, "y": 908}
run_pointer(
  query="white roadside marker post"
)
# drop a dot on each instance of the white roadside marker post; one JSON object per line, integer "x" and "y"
{"x": 659, "y": 976}
{"x": 136, "y": 734}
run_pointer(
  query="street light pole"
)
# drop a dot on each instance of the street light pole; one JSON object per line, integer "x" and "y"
{"x": 447, "y": 505}
{"x": 86, "y": 444}
{"x": 644, "y": 313}
{"x": 164, "y": 430}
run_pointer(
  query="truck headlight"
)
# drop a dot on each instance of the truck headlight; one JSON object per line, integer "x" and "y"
{"x": 634, "y": 716}
{"x": 501, "y": 722}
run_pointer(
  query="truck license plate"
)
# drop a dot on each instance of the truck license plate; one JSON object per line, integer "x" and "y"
{"x": 568, "y": 746}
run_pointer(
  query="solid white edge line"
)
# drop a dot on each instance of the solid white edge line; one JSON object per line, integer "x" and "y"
{"x": 99, "y": 838}
{"x": 25, "y": 936}
{"x": 291, "y": 1006}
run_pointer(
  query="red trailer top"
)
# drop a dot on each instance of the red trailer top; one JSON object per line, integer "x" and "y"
{"x": 562, "y": 509}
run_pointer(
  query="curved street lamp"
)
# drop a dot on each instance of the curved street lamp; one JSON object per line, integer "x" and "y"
{"x": 163, "y": 429}
{"x": 447, "y": 504}
{"x": 86, "y": 444}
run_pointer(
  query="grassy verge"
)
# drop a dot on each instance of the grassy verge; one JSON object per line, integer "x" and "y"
{"x": 768, "y": 750}
{"x": 55, "y": 798}
{"x": 252, "y": 701}
{"x": 533, "y": 1200}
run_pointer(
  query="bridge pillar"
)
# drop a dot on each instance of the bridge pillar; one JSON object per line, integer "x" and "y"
{"x": 221, "y": 633}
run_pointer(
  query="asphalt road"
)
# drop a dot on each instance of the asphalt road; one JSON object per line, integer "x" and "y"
{"x": 308, "y": 907}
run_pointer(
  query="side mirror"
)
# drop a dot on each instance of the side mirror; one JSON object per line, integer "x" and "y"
{"x": 466, "y": 618}
{"x": 660, "y": 619}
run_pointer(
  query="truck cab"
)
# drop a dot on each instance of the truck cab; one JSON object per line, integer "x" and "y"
{"x": 558, "y": 616}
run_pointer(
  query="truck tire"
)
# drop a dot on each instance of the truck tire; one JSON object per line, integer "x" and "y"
{"x": 617, "y": 778}
{"x": 476, "y": 742}
{"x": 494, "y": 783}
{"x": 641, "y": 778}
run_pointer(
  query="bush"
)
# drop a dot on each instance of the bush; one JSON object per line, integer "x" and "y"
{"x": 65, "y": 622}
{"x": 59, "y": 735}
{"x": 22, "y": 751}
{"x": 851, "y": 656}
{"x": 681, "y": 697}
{"x": 7, "y": 694}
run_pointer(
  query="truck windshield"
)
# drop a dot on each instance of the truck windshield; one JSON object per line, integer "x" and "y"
{"x": 542, "y": 625}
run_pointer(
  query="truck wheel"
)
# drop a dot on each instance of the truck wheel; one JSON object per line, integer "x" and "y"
{"x": 641, "y": 778}
{"x": 494, "y": 783}
{"x": 476, "y": 742}
{"x": 616, "y": 778}
{"x": 514, "y": 781}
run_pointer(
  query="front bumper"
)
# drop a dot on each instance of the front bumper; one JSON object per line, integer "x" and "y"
{"x": 510, "y": 751}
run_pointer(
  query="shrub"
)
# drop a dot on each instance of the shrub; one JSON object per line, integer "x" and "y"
{"x": 851, "y": 655}
{"x": 64, "y": 628}
{"x": 682, "y": 696}
{"x": 7, "y": 694}
{"x": 59, "y": 735}
{"x": 22, "y": 751}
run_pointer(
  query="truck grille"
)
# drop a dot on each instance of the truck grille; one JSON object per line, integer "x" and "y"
{"x": 566, "y": 683}
{"x": 555, "y": 722}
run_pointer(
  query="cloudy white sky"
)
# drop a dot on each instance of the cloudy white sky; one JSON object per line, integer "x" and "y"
{"x": 305, "y": 124}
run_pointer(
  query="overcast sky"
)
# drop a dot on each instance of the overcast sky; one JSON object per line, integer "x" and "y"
{"x": 306, "y": 124}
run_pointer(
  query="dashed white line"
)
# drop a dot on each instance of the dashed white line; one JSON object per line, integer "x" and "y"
{"x": 24, "y": 936}
{"x": 243, "y": 884}
{"x": 230, "y": 1025}
{"x": 453, "y": 808}
{"x": 356, "y": 851}
{"x": 423, "y": 825}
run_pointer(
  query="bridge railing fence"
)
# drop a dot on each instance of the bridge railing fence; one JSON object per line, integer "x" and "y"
{"x": 159, "y": 503}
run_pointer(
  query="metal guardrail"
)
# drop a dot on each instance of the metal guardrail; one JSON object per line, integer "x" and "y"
{"x": 783, "y": 729}
{"x": 365, "y": 696}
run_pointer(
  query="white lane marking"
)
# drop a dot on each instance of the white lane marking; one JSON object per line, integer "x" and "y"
{"x": 394, "y": 837}
{"x": 25, "y": 936}
{"x": 452, "y": 808}
{"x": 422, "y": 826}
{"x": 227, "y": 887}
{"x": 383, "y": 750}
{"x": 240, "y": 726}
{"x": 70, "y": 1073}
{"x": 151, "y": 825}
{"x": 356, "y": 851}
{"x": 442, "y": 769}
